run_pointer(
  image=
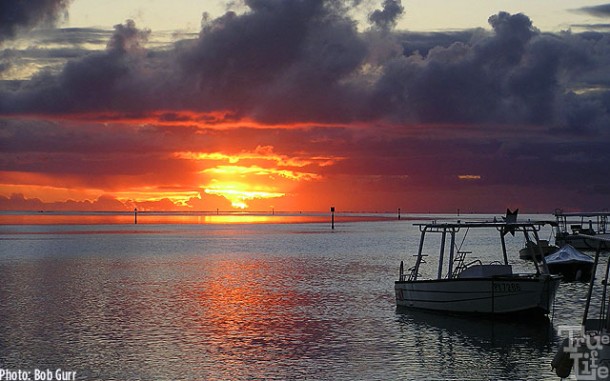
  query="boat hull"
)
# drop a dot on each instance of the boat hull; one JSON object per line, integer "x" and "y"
{"x": 497, "y": 295}
{"x": 531, "y": 247}
{"x": 582, "y": 243}
{"x": 576, "y": 271}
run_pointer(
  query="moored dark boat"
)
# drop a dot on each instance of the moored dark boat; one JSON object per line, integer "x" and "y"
{"x": 581, "y": 230}
{"x": 571, "y": 263}
{"x": 532, "y": 247}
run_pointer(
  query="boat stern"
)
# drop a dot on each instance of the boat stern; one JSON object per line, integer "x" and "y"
{"x": 549, "y": 292}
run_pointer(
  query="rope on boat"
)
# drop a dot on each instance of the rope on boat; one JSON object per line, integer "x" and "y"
{"x": 463, "y": 239}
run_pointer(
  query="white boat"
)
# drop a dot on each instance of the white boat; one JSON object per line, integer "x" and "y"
{"x": 467, "y": 285}
{"x": 576, "y": 229}
{"x": 571, "y": 264}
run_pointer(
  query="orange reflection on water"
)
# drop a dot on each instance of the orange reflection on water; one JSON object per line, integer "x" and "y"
{"x": 65, "y": 219}
{"x": 160, "y": 218}
{"x": 249, "y": 311}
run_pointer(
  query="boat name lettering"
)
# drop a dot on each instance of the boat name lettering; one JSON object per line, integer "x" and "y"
{"x": 506, "y": 287}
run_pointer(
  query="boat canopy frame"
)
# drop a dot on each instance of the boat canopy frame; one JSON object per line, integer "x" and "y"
{"x": 602, "y": 322}
{"x": 529, "y": 229}
{"x": 598, "y": 222}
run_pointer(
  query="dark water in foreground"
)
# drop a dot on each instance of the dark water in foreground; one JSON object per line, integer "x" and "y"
{"x": 245, "y": 302}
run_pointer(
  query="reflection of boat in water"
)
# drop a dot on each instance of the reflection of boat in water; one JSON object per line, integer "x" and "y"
{"x": 585, "y": 353}
{"x": 466, "y": 347}
{"x": 571, "y": 264}
{"x": 470, "y": 286}
{"x": 482, "y": 332}
{"x": 576, "y": 228}
{"x": 532, "y": 249}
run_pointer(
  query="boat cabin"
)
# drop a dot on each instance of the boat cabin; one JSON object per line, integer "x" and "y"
{"x": 481, "y": 270}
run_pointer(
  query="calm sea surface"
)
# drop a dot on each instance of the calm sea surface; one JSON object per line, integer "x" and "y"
{"x": 193, "y": 299}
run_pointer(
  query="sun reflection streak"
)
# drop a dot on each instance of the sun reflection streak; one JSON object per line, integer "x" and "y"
{"x": 248, "y": 315}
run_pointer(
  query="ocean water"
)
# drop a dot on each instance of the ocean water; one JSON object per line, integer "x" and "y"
{"x": 272, "y": 299}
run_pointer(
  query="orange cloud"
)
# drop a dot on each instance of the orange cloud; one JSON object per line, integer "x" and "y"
{"x": 258, "y": 174}
{"x": 469, "y": 177}
{"x": 238, "y": 193}
{"x": 239, "y": 184}
{"x": 213, "y": 120}
{"x": 241, "y": 171}
{"x": 261, "y": 153}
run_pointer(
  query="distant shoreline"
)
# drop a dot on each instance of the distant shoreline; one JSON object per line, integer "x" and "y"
{"x": 220, "y": 217}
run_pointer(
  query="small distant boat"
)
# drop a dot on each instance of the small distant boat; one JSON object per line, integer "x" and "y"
{"x": 580, "y": 230}
{"x": 570, "y": 263}
{"x": 471, "y": 286}
{"x": 531, "y": 247}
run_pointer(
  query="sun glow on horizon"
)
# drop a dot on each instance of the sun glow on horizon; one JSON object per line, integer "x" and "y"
{"x": 179, "y": 178}
{"x": 178, "y": 198}
{"x": 240, "y": 184}
{"x": 238, "y": 193}
{"x": 255, "y": 174}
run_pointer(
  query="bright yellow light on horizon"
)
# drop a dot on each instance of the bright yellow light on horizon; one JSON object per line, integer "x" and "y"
{"x": 239, "y": 193}
{"x": 257, "y": 174}
{"x": 178, "y": 198}
{"x": 237, "y": 170}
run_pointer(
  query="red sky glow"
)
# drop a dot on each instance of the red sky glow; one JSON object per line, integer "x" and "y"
{"x": 294, "y": 106}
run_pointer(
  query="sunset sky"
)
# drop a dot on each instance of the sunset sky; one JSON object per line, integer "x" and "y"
{"x": 297, "y": 105}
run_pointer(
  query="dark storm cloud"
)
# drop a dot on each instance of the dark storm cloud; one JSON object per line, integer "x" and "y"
{"x": 387, "y": 17}
{"x": 93, "y": 152}
{"x": 98, "y": 81}
{"x": 7, "y": 58}
{"x": 70, "y": 36}
{"x": 50, "y": 48}
{"x": 591, "y": 26}
{"x": 420, "y": 43}
{"x": 294, "y": 60}
{"x": 515, "y": 74}
{"x": 602, "y": 10}
{"x": 428, "y": 106}
{"x": 17, "y": 15}
{"x": 283, "y": 61}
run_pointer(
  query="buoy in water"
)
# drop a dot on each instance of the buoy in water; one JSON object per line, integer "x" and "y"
{"x": 562, "y": 362}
